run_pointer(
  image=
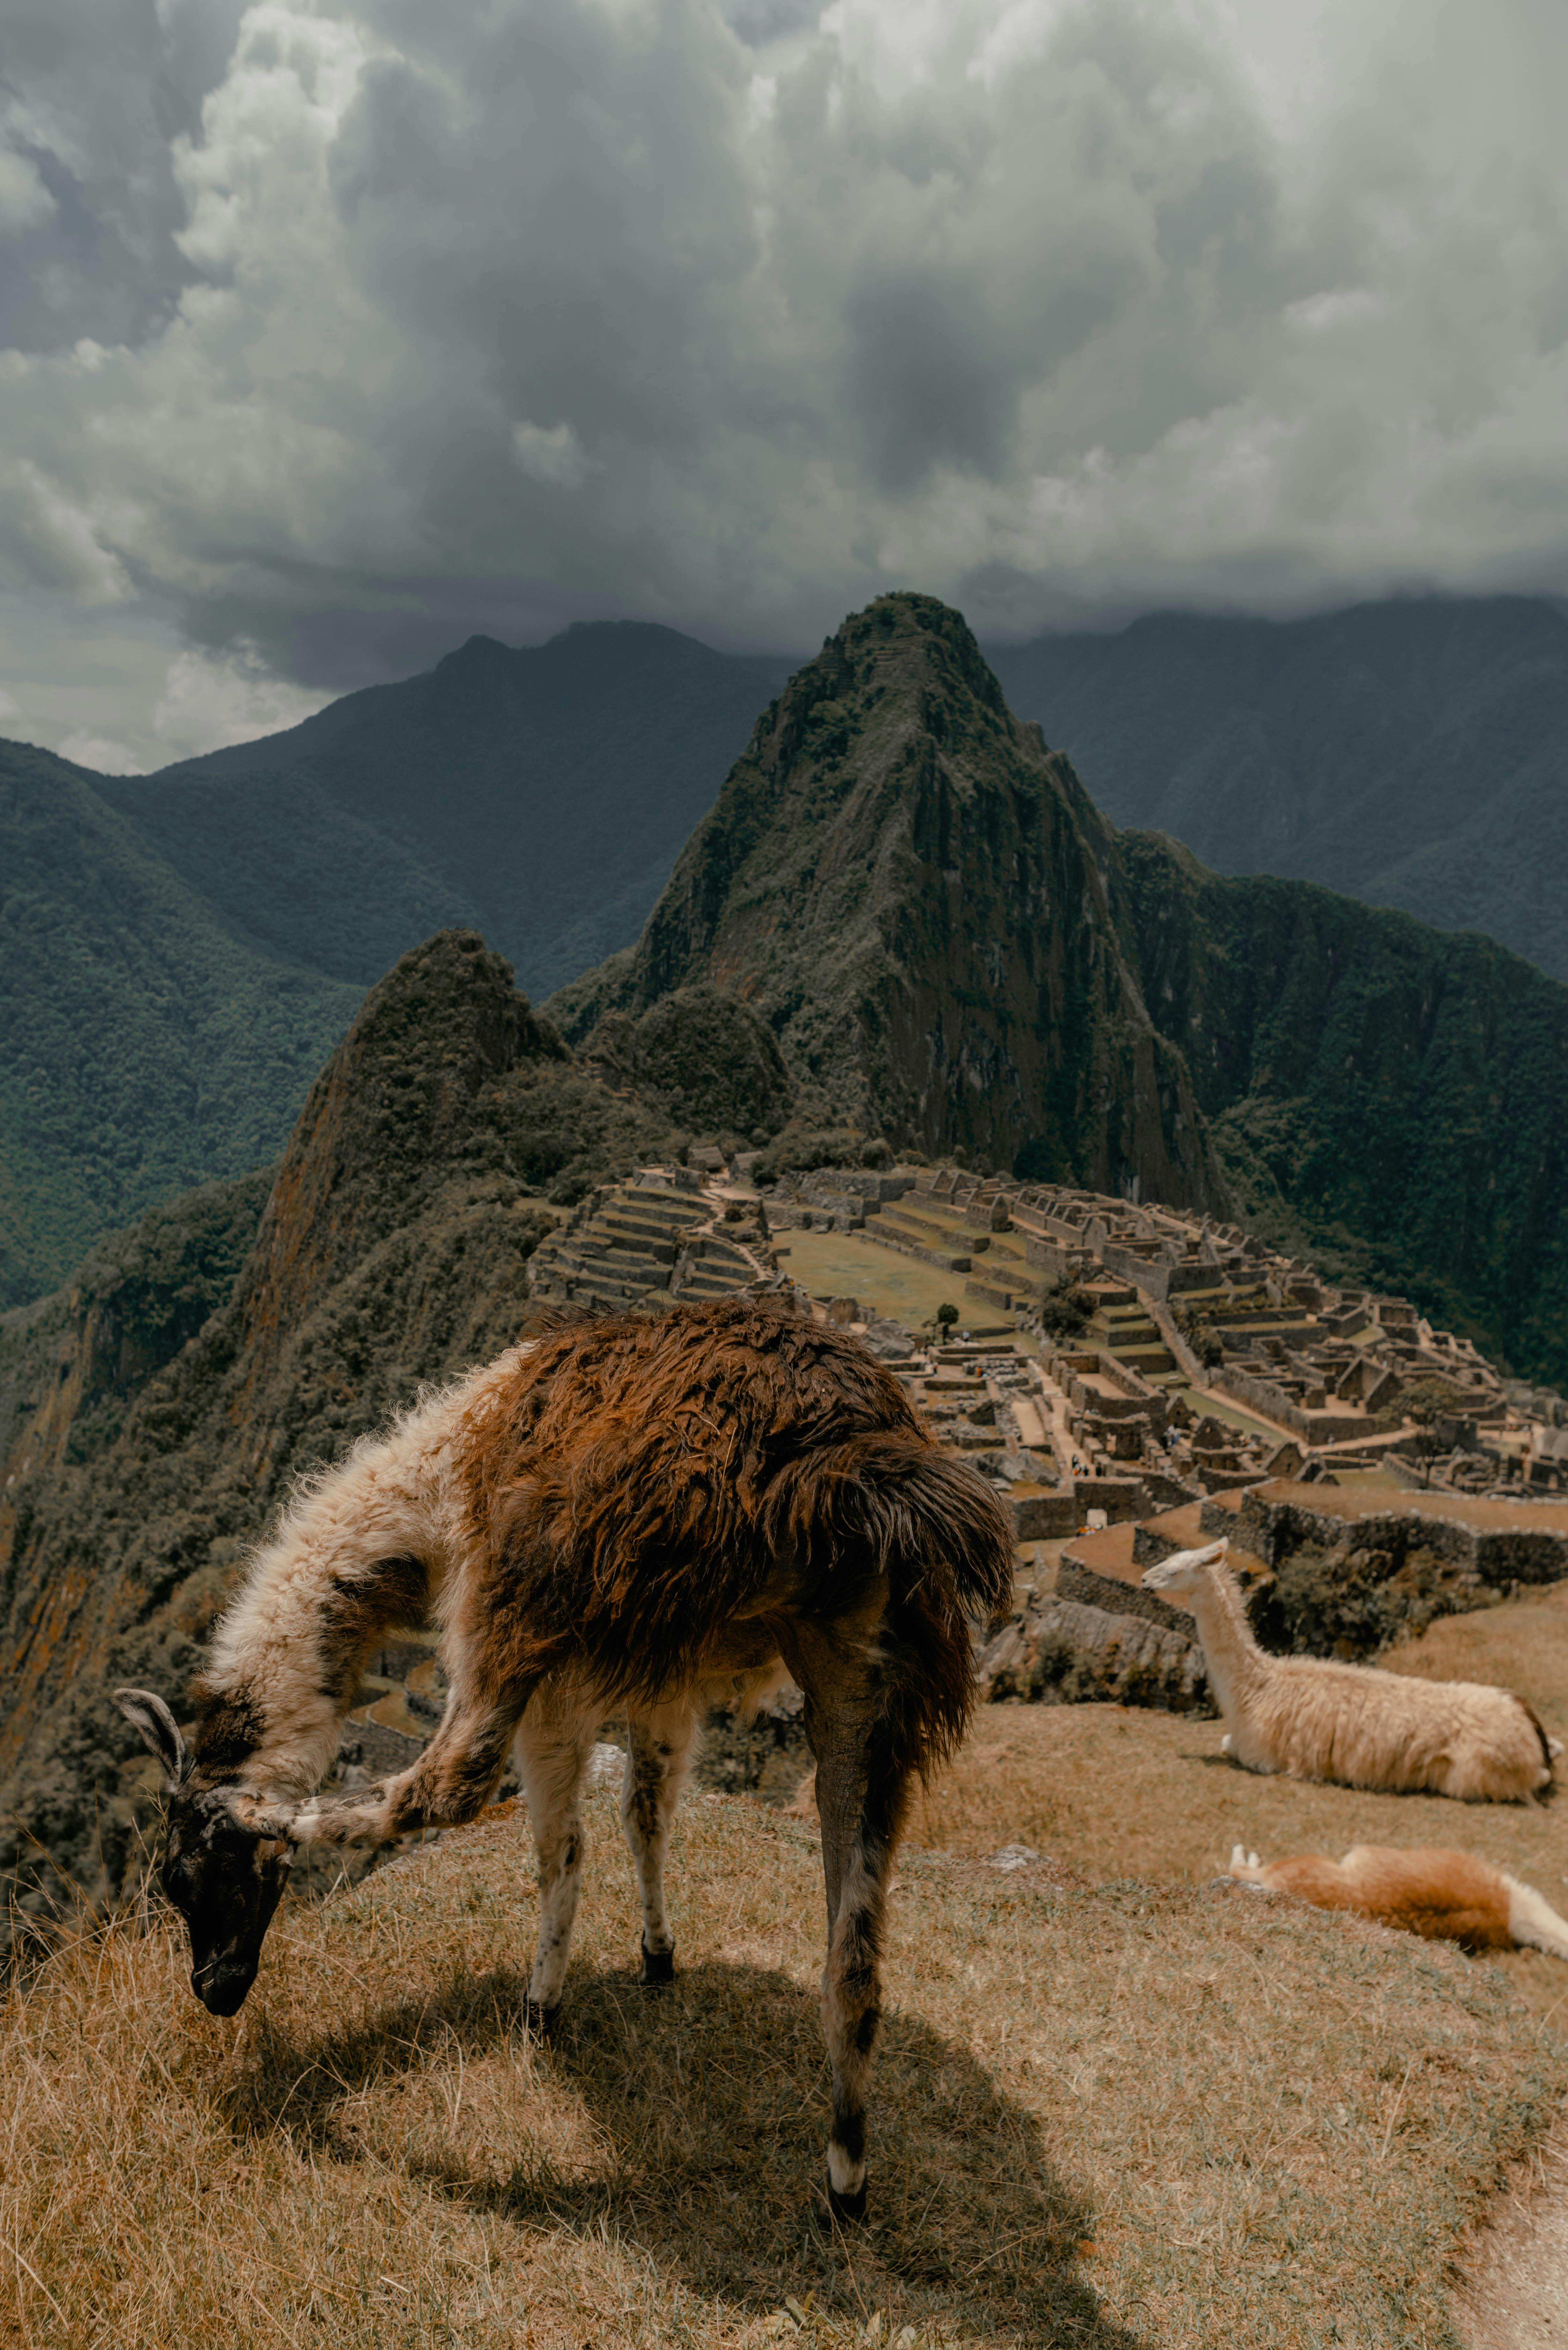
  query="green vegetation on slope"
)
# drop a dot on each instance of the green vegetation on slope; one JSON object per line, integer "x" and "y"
{"x": 1391, "y": 1100}
{"x": 142, "y": 1048}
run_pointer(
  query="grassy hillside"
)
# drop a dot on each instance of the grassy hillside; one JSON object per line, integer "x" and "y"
{"x": 1411, "y": 753}
{"x": 541, "y": 793}
{"x": 1106, "y": 2118}
{"x": 143, "y": 1048}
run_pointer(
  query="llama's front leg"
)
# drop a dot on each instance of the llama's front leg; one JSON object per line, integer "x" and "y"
{"x": 451, "y": 1783}
{"x": 552, "y": 1757}
{"x": 658, "y": 1755}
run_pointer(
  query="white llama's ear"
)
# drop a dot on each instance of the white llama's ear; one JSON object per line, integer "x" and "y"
{"x": 147, "y": 1714}
{"x": 1238, "y": 1855}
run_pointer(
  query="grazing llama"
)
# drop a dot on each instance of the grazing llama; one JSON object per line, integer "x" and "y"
{"x": 1447, "y": 1897}
{"x": 1313, "y": 1718}
{"x": 626, "y": 1514}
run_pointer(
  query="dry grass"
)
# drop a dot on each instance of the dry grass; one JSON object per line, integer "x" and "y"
{"x": 1116, "y": 1793}
{"x": 1127, "y": 2116}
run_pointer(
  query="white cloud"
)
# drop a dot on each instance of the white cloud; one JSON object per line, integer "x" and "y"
{"x": 457, "y": 318}
{"x": 25, "y": 201}
{"x": 556, "y": 458}
{"x": 102, "y": 753}
{"x": 210, "y": 701}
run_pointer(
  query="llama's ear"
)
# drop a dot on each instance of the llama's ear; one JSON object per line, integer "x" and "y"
{"x": 148, "y": 1714}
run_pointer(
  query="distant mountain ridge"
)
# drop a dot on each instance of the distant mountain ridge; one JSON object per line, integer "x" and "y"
{"x": 540, "y": 793}
{"x": 1411, "y": 753}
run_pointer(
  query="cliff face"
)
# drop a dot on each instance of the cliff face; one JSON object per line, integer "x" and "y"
{"x": 926, "y": 908}
{"x": 153, "y": 1414}
{"x": 1389, "y": 1099}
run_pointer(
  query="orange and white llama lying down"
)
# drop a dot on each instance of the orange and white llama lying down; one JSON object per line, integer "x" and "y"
{"x": 1313, "y": 1718}
{"x": 1447, "y": 1897}
{"x": 626, "y": 1516}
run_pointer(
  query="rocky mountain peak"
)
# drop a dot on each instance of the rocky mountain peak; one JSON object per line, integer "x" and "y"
{"x": 923, "y": 904}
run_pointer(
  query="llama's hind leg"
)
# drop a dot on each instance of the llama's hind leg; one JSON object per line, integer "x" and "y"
{"x": 862, "y": 1790}
{"x": 658, "y": 1757}
{"x": 552, "y": 1756}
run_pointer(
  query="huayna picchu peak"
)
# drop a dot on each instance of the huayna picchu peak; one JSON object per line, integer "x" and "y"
{"x": 925, "y": 907}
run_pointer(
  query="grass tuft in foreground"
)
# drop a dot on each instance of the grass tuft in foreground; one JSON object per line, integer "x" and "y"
{"x": 1102, "y": 2118}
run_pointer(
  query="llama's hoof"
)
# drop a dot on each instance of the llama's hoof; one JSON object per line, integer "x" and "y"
{"x": 832, "y": 2209}
{"x": 541, "y": 2020}
{"x": 657, "y": 1967}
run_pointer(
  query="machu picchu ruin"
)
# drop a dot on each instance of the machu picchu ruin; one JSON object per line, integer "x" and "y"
{"x": 1135, "y": 1380}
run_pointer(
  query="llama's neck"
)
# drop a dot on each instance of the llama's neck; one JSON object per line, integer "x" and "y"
{"x": 1237, "y": 1666}
{"x": 364, "y": 1550}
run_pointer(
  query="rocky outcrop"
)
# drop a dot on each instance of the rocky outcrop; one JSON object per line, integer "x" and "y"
{"x": 1061, "y": 1651}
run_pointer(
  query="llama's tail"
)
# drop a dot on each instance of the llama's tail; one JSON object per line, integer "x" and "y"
{"x": 936, "y": 1530}
{"x": 1534, "y": 1921}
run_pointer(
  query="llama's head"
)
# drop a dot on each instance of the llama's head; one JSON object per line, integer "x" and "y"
{"x": 225, "y": 1861}
{"x": 1187, "y": 1571}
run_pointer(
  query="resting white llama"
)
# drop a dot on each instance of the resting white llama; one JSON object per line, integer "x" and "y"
{"x": 1447, "y": 1897}
{"x": 630, "y": 1516}
{"x": 1313, "y": 1718}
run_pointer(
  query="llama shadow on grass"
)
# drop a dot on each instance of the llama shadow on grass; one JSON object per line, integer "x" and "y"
{"x": 690, "y": 2124}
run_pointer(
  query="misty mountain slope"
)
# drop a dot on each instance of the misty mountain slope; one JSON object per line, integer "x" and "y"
{"x": 953, "y": 946}
{"x": 542, "y": 793}
{"x": 1412, "y": 753}
{"x": 143, "y": 1048}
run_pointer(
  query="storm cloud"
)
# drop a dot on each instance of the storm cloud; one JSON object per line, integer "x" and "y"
{"x": 331, "y": 336}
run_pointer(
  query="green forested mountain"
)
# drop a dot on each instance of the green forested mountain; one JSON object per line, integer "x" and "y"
{"x": 143, "y": 1047}
{"x": 1412, "y": 752}
{"x": 954, "y": 947}
{"x": 543, "y": 794}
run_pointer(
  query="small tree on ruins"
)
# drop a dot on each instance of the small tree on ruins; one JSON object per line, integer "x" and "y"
{"x": 1065, "y": 1312}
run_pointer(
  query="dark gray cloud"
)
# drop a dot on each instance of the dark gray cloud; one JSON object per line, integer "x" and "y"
{"x": 331, "y": 334}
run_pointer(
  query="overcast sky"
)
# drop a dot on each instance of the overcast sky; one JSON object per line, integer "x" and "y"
{"x": 330, "y": 335}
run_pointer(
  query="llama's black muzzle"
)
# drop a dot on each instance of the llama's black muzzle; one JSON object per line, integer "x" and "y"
{"x": 223, "y": 1983}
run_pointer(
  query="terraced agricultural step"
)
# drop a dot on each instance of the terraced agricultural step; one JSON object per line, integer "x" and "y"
{"x": 991, "y": 1295}
{"x": 631, "y": 1248}
{"x": 698, "y": 1285}
{"x": 642, "y": 1230}
{"x": 902, "y": 1219}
